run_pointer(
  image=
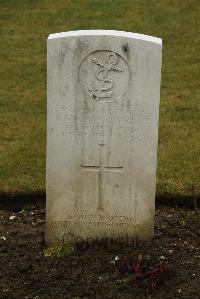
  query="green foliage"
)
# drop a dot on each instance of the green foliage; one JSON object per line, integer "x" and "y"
{"x": 59, "y": 250}
{"x": 24, "y": 27}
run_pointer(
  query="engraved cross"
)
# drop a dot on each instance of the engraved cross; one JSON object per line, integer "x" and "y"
{"x": 101, "y": 169}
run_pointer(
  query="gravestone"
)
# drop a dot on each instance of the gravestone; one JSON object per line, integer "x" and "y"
{"x": 102, "y": 132}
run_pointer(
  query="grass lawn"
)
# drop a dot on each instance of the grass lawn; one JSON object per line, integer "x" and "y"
{"x": 24, "y": 28}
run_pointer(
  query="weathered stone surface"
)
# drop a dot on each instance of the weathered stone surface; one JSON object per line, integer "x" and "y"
{"x": 103, "y": 110}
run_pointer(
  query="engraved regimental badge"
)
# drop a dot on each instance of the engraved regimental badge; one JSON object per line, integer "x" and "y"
{"x": 104, "y": 76}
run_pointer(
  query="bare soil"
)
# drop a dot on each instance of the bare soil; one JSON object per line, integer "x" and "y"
{"x": 90, "y": 272}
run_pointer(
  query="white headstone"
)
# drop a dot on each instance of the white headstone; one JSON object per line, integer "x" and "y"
{"x": 102, "y": 132}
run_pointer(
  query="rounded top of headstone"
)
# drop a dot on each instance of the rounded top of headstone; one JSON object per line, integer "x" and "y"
{"x": 117, "y": 33}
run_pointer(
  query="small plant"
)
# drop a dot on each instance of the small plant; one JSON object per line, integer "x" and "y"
{"x": 59, "y": 250}
{"x": 145, "y": 272}
{"x": 193, "y": 219}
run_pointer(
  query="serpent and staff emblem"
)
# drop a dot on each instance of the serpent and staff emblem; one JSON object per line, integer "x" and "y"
{"x": 102, "y": 88}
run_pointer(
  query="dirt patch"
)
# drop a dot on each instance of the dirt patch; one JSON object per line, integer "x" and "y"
{"x": 90, "y": 272}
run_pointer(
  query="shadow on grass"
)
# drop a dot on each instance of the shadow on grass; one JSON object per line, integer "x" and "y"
{"x": 178, "y": 200}
{"x": 20, "y": 200}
